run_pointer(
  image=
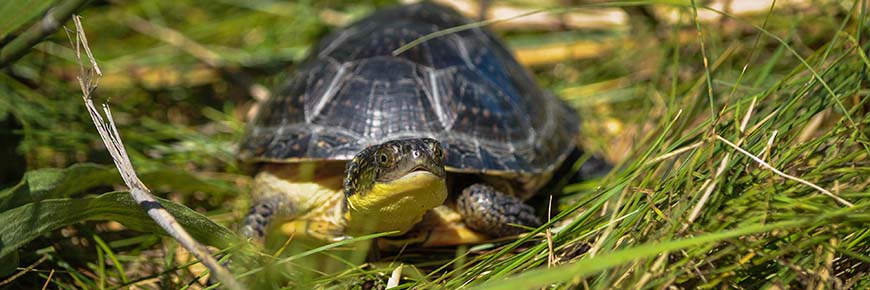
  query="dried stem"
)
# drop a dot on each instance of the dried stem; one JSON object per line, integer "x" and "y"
{"x": 89, "y": 79}
{"x": 783, "y": 174}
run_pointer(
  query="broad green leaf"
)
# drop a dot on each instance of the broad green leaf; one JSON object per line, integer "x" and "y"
{"x": 19, "y": 12}
{"x": 39, "y": 204}
{"x": 60, "y": 183}
{"x": 27, "y": 222}
{"x": 56, "y": 183}
{"x": 179, "y": 181}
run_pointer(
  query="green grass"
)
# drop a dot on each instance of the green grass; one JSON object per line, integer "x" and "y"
{"x": 684, "y": 208}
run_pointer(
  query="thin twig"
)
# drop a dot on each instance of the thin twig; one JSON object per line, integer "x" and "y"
{"x": 783, "y": 174}
{"x": 23, "y": 271}
{"x": 89, "y": 81}
{"x": 48, "y": 280}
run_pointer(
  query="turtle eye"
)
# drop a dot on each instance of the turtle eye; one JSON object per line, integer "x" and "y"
{"x": 385, "y": 158}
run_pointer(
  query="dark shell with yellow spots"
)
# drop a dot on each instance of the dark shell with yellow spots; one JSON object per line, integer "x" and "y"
{"x": 464, "y": 89}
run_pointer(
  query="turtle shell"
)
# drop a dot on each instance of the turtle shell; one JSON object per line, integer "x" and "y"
{"x": 464, "y": 89}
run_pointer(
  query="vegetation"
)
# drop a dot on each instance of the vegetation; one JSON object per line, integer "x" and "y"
{"x": 739, "y": 141}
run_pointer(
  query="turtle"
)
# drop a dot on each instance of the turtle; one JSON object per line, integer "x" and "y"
{"x": 441, "y": 144}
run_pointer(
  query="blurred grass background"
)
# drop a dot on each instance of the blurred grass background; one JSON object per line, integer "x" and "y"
{"x": 659, "y": 85}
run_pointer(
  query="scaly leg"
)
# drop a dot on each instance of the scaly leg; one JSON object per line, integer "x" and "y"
{"x": 492, "y": 212}
{"x": 258, "y": 218}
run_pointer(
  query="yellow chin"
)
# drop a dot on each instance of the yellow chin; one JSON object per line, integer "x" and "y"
{"x": 396, "y": 205}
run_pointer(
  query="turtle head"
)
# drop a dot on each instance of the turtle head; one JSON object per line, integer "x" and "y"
{"x": 390, "y": 186}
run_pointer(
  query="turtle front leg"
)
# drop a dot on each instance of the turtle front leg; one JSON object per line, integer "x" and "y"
{"x": 259, "y": 217}
{"x": 493, "y": 213}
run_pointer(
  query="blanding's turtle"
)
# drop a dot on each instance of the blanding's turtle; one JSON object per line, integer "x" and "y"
{"x": 441, "y": 143}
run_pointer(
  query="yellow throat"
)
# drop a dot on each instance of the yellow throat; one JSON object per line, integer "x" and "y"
{"x": 396, "y": 205}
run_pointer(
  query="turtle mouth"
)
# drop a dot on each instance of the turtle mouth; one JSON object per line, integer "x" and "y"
{"x": 417, "y": 172}
{"x": 417, "y": 169}
{"x": 437, "y": 171}
{"x": 414, "y": 180}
